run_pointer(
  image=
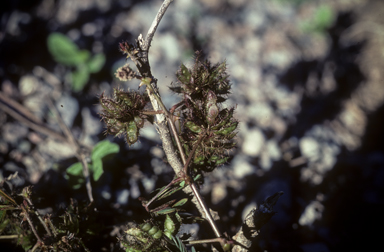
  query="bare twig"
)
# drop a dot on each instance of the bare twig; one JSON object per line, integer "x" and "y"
{"x": 79, "y": 151}
{"x": 155, "y": 23}
{"x": 26, "y": 215}
{"x": 20, "y": 113}
{"x": 39, "y": 217}
{"x": 20, "y": 108}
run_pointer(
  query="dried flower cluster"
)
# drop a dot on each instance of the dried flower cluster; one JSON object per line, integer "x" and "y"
{"x": 124, "y": 113}
{"x": 204, "y": 88}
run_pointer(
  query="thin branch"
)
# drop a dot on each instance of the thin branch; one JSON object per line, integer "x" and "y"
{"x": 39, "y": 217}
{"x": 79, "y": 151}
{"x": 26, "y": 215}
{"x": 25, "y": 119}
{"x": 192, "y": 153}
{"x": 155, "y": 23}
{"x": 164, "y": 131}
{"x": 5, "y": 237}
{"x": 194, "y": 242}
{"x": 20, "y": 108}
{"x": 208, "y": 215}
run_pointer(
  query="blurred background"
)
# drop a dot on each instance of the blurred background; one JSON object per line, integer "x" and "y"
{"x": 307, "y": 83}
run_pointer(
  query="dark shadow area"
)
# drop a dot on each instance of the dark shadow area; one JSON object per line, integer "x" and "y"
{"x": 317, "y": 106}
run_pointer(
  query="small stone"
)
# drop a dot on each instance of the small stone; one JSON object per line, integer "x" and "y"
{"x": 253, "y": 143}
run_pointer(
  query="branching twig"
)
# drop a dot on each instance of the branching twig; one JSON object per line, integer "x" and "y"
{"x": 26, "y": 216}
{"x": 155, "y": 23}
{"x": 39, "y": 217}
{"x": 161, "y": 120}
{"x": 24, "y": 116}
{"x": 80, "y": 152}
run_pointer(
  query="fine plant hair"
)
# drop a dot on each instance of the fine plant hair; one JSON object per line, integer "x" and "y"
{"x": 197, "y": 135}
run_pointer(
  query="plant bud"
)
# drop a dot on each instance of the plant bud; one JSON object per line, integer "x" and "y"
{"x": 153, "y": 230}
{"x": 211, "y": 108}
{"x": 145, "y": 227}
{"x": 193, "y": 127}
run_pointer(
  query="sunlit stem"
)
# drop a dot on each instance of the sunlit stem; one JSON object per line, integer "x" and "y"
{"x": 171, "y": 124}
{"x": 205, "y": 209}
{"x": 194, "y": 242}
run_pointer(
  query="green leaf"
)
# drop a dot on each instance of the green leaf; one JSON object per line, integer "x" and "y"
{"x": 64, "y": 51}
{"x": 180, "y": 202}
{"x": 76, "y": 169}
{"x": 96, "y": 63}
{"x": 79, "y": 78}
{"x": 97, "y": 168}
{"x": 323, "y": 17}
{"x": 165, "y": 211}
{"x": 104, "y": 148}
{"x": 169, "y": 226}
{"x": 75, "y": 175}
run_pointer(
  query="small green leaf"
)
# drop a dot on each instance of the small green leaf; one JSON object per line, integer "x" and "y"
{"x": 180, "y": 202}
{"x": 76, "y": 169}
{"x": 96, "y": 63}
{"x": 64, "y": 51}
{"x": 79, "y": 78}
{"x": 104, "y": 148}
{"x": 182, "y": 183}
{"x": 75, "y": 175}
{"x": 198, "y": 176}
{"x": 323, "y": 17}
{"x": 165, "y": 211}
{"x": 169, "y": 225}
{"x": 97, "y": 168}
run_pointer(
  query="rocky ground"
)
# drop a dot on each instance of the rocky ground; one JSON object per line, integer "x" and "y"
{"x": 307, "y": 84}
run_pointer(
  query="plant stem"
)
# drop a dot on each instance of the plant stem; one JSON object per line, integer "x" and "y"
{"x": 221, "y": 240}
{"x": 155, "y": 23}
{"x": 26, "y": 215}
{"x": 4, "y": 237}
{"x": 39, "y": 217}
{"x": 205, "y": 208}
{"x": 169, "y": 119}
{"x": 191, "y": 154}
{"x": 157, "y": 104}
{"x": 79, "y": 150}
